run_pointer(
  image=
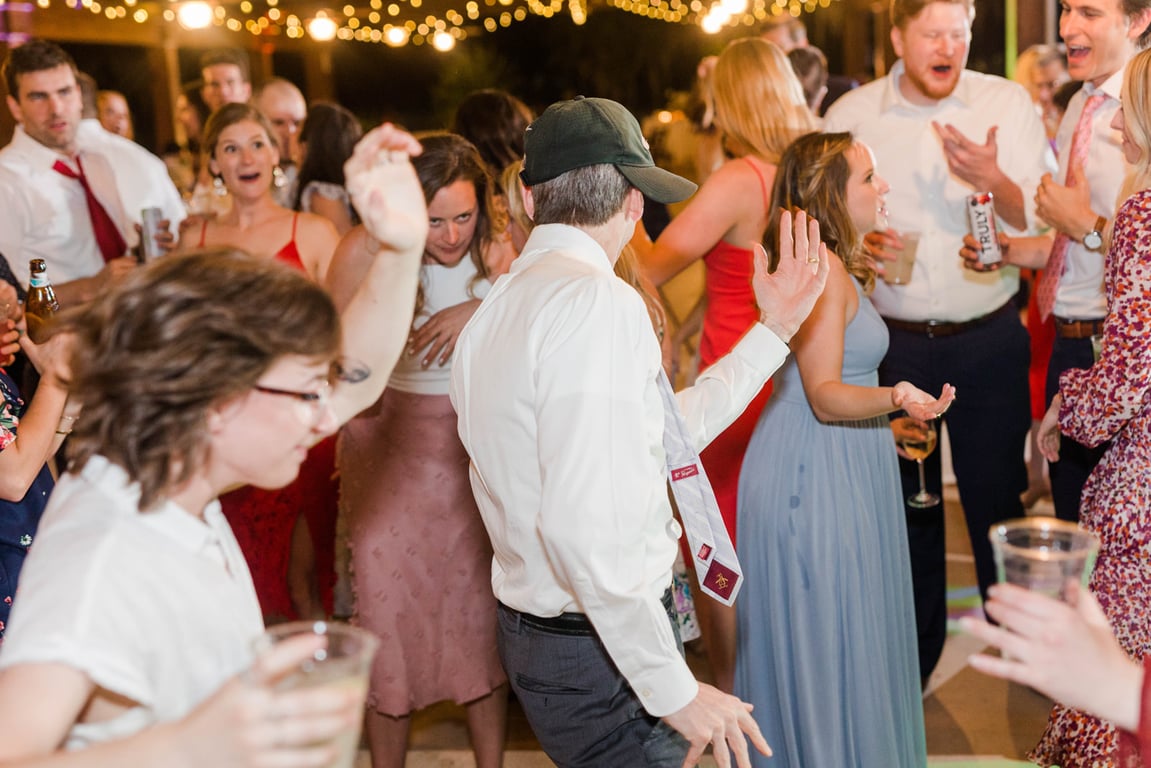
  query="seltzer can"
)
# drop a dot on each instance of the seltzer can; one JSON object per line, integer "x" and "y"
{"x": 149, "y": 225}
{"x": 981, "y": 215}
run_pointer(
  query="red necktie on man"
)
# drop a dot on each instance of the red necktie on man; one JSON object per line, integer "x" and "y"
{"x": 108, "y": 237}
{"x": 1057, "y": 261}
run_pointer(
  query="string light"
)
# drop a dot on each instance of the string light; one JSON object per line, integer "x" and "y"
{"x": 194, "y": 15}
{"x": 405, "y": 24}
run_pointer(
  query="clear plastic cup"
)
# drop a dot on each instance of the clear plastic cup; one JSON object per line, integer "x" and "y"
{"x": 1043, "y": 553}
{"x": 344, "y": 661}
{"x": 898, "y": 272}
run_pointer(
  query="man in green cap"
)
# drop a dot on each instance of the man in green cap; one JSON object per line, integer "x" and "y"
{"x": 560, "y": 396}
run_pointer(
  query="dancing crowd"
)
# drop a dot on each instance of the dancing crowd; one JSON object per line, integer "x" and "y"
{"x": 424, "y": 382}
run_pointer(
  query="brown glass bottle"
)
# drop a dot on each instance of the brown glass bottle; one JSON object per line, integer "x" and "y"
{"x": 41, "y": 304}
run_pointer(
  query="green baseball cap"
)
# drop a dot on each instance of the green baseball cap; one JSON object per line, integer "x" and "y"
{"x": 582, "y": 132}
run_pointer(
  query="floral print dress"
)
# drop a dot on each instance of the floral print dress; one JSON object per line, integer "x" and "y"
{"x": 18, "y": 519}
{"x": 1112, "y": 401}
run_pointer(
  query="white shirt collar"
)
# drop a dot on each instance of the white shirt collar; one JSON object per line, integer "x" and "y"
{"x": 893, "y": 97}
{"x": 35, "y": 151}
{"x": 167, "y": 518}
{"x": 573, "y": 242}
{"x": 1112, "y": 86}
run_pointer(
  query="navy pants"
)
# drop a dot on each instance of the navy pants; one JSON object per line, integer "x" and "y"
{"x": 583, "y": 712}
{"x": 1076, "y": 461}
{"x": 987, "y": 425}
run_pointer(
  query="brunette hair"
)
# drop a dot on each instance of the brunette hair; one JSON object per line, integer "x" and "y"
{"x": 759, "y": 103}
{"x": 35, "y": 55}
{"x": 175, "y": 339}
{"x": 447, "y": 158}
{"x": 810, "y": 67}
{"x": 331, "y": 133}
{"x": 233, "y": 56}
{"x": 494, "y": 121}
{"x": 229, "y": 115}
{"x": 813, "y": 175}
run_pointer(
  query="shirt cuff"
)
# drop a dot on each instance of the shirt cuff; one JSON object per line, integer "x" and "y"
{"x": 667, "y": 690}
{"x": 761, "y": 349}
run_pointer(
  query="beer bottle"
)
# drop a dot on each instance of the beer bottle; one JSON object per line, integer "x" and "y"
{"x": 41, "y": 303}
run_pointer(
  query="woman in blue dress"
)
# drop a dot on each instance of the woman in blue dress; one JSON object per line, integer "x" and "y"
{"x": 826, "y": 640}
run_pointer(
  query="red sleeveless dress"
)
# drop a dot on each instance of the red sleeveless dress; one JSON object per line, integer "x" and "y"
{"x": 731, "y": 311}
{"x": 263, "y": 520}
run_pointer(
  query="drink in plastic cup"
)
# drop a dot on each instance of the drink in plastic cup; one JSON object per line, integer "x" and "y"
{"x": 1042, "y": 553}
{"x": 898, "y": 272}
{"x": 344, "y": 661}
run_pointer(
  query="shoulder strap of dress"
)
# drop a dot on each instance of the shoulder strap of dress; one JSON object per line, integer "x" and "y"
{"x": 762, "y": 181}
{"x": 203, "y": 231}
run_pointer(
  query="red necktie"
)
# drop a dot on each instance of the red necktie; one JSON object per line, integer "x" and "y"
{"x": 108, "y": 237}
{"x": 1057, "y": 261}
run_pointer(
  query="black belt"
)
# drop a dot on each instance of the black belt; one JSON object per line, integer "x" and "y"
{"x": 571, "y": 623}
{"x": 935, "y": 329}
{"x": 1077, "y": 329}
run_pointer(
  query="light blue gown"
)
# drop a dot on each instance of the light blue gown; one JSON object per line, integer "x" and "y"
{"x": 826, "y": 643}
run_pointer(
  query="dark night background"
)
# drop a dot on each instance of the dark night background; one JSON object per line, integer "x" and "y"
{"x": 637, "y": 61}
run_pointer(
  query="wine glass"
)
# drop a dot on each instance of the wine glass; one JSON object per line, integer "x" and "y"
{"x": 917, "y": 439}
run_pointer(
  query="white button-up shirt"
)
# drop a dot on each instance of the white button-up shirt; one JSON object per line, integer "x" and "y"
{"x": 926, "y": 197}
{"x": 1080, "y": 294}
{"x": 555, "y": 383}
{"x": 142, "y": 179}
{"x": 44, "y": 214}
{"x": 155, "y": 606}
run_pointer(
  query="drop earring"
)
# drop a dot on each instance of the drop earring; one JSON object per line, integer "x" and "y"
{"x": 218, "y": 186}
{"x": 279, "y": 179}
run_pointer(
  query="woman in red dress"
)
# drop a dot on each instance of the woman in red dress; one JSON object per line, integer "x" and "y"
{"x": 297, "y": 522}
{"x": 760, "y": 110}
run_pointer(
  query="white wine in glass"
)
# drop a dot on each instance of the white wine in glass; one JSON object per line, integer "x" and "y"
{"x": 917, "y": 439}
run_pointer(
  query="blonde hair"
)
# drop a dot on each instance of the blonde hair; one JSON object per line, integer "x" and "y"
{"x": 1136, "y": 99}
{"x": 759, "y": 103}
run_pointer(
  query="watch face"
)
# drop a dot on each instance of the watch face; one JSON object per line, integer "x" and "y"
{"x": 1093, "y": 240}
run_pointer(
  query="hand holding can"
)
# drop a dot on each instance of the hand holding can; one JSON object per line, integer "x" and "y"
{"x": 981, "y": 215}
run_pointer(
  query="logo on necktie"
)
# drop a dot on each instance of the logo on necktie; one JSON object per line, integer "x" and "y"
{"x": 682, "y": 473}
{"x": 721, "y": 579}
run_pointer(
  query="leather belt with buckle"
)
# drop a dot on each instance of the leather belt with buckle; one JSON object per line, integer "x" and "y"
{"x": 936, "y": 329}
{"x": 1077, "y": 329}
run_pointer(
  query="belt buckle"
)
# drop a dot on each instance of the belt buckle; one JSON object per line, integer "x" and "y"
{"x": 931, "y": 326}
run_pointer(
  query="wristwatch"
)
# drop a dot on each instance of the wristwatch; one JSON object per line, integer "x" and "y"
{"x": 1093, "y": 240}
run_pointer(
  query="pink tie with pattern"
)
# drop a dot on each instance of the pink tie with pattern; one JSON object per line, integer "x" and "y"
{"x": 1057, "y": 261}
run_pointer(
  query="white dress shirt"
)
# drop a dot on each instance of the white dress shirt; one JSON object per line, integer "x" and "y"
{"x": 142, "y": 179}
{"x": 926, "y": 197}
{"x": 1080, "y": 294}
{"x": 555, "y": 383}
{"x": 155, "y": 606}
{"x": 44, "y": 214}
